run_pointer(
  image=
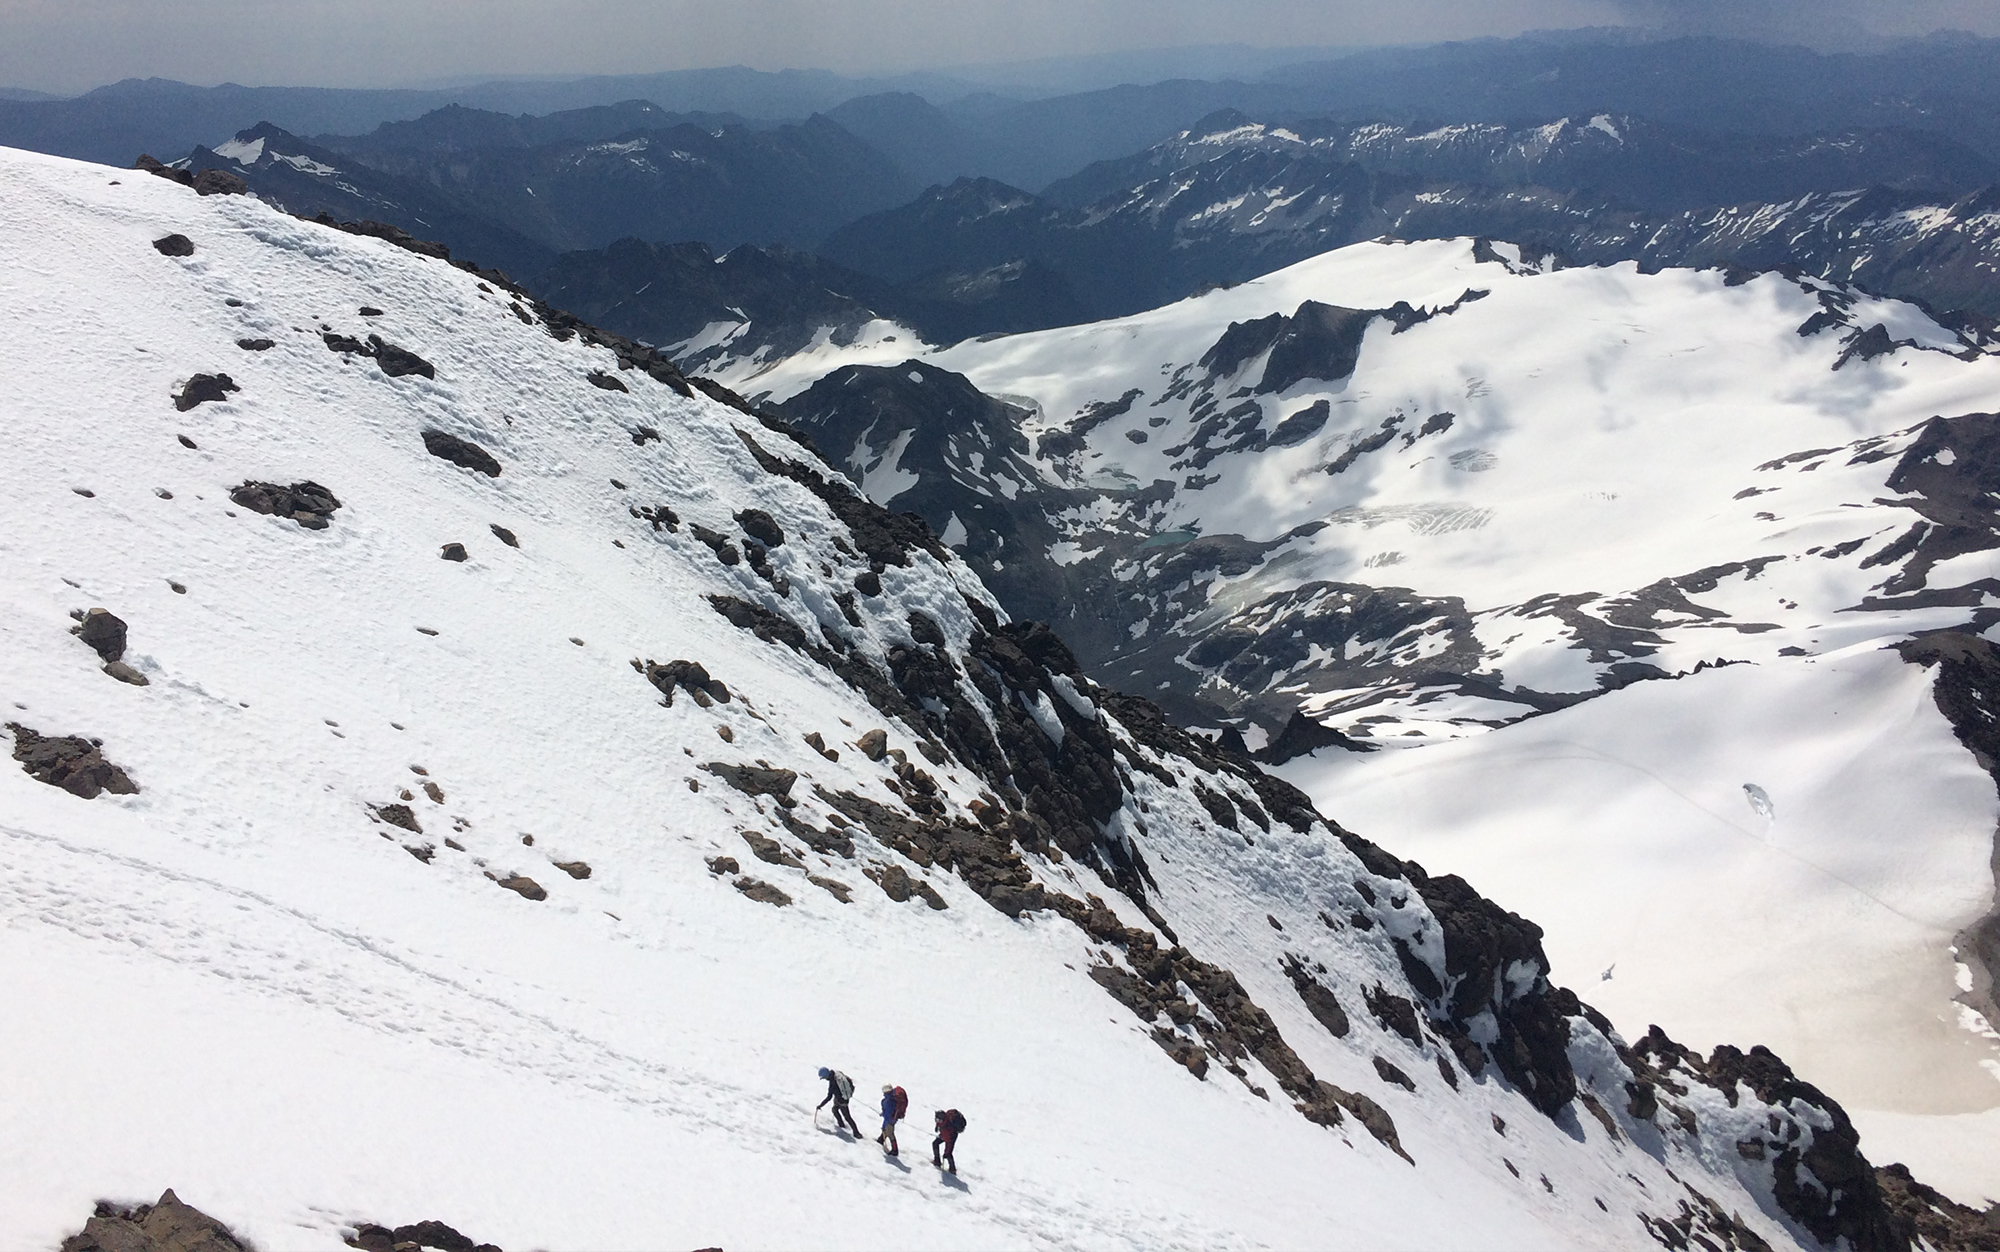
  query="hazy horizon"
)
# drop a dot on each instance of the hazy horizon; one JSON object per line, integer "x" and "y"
{"x": 72, "y": 46}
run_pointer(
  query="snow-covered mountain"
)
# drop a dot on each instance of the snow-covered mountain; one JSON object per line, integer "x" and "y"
{"x": 307, "y": 179}
{"x": 659, "y": 176}
{"x": 1635, "y": 160}
{"x": 1373, "y": 425}
{"x": 501, "y": 772}
{"x": 1405, "y": 495}
{"x": 1902, "y": 213}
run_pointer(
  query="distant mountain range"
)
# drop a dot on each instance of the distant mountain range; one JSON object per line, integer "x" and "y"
{"x": 1902, "y": 212}
{"x": 582, "y": 179}
{"x": 1231, "y": 199}
{"x": 939, "y": 127}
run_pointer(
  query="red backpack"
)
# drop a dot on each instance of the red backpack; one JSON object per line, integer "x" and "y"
{"x": 902, "y": 1102}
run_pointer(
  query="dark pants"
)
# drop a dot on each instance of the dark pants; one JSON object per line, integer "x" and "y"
{"x": 842, "y": 1117}
{"x": 947, "y": 1142}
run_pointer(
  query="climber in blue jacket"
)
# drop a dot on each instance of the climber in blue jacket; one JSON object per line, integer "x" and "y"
{"x": 893, "y": 1104}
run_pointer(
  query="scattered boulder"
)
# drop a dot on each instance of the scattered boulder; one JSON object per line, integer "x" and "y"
{"x": 868, "y": 583}
{"x": 1394, "y": 1012}
{"x": 256, "y": 345}
{"x": 725, "y": 551}
{"x": 599, "y": 378}
{"x": 1319, "y": 999}
{"x": 307, "y": 503}
{"x": 126, "y": 674}
{"x": 642, "y": 435}
{"x": 453, "y": 552}
{"x": 690, "y": 676}
{"x": 504, "y": 535}
{"x": 397, "y": 362}
{"x": 71, "y": 762}
{"x": 461, "y": 452}
{"x": 370, "y": 1237}
{"x": 575, "y": 869}
{"x": 925, "y": 630}
{"x": 160, "y": 169}
{"x": 761, "y": 526}
{"x": 104, "y": 631}
{"x": 762, "y": 892}
{"x": 398, "y": 815}
{"x": 213, "y": 182}
{"x": 164, "y": 1226}
{"x": 837, "y": 889}
{"x": 755, "y": 780}
{"x": 526, "y": 887}
{"x": 174, "y": 245}
{"x": 1183, "y": 1049}
{"x": 898, "y": 884}
{"x": 874, "y": 744}
{"x": 760, "y": 561}
{"x": 1389, "y": 1073}
{"x": 770, "y": 851}
{"x": 893, "y": 879}
{"x": 203, "y": 388}
{"x": 723, "y": 865}
{"x": 817, "y": 743}
{"x": 660, "y": 516}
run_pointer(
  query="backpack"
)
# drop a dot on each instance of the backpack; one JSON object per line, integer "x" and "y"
{"x": 902, "y": 1102}
{"x": 954, "y": 1121}
{"x": 843, "y": 1085}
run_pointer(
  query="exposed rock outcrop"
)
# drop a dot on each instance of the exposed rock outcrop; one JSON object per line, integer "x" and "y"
{"x": 166, "y": 1225}
{"x": 71, "y": 762}
{"x": 461, "y": 452}
{"x": 307, "y": 503}
{"x": 204, "y": 388}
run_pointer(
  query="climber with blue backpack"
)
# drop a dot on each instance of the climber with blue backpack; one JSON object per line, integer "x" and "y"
{"x": 839, "y": 1089}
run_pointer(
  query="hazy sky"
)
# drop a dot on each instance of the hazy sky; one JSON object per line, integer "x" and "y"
{"x": 68, "y": 45}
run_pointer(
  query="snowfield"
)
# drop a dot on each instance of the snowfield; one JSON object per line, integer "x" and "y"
{"x": 1825, "y": 926}
{"x": 284, "y": 976}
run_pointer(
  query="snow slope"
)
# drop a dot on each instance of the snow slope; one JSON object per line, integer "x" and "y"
{"x": 253, "y": 981}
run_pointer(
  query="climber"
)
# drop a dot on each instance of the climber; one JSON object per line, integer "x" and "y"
{"x": 894, "y": 1104}
{"x": 839, "y": 1089}
{"x": 949, "y": 1123}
